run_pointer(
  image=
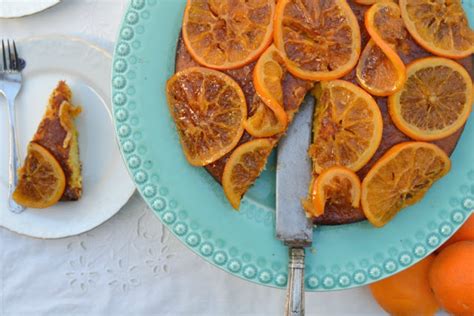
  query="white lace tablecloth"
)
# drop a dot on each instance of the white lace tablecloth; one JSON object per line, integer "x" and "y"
{"x": 131, "y": 265}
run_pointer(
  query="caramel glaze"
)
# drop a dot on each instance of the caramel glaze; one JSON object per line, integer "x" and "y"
{"x": 294, "y": 91}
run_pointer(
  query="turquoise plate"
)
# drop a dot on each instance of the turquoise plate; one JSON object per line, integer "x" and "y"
{"x": 193, "y": 206}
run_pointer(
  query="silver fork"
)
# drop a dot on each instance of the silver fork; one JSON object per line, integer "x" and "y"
{"x": 10, "y": 85}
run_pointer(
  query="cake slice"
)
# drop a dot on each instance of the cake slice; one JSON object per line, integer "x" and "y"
{"x": 55, "y": 141}
{"x": 57, "y": 133}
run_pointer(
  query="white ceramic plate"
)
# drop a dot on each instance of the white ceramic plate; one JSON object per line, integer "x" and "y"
{"x": 107, "y": 185}
{"x": 18, "y": 8}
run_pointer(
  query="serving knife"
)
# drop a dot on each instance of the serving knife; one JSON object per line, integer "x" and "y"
{"x": 293, "y": 228}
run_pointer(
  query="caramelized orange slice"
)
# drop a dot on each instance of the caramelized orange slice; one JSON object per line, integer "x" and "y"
{"x": 401, "y": 178}
{"x": 209, "y": 110}
{"x": 319, "y": 40}
{"x": 380, "y": 70}
{"x": 347, "y": 127}
{"x": 41, "y": 179}
{"x": 227, "y": 34}
{"x": 337, "y": 186}
{"x": 269, "y": 118}
{"x": 243, "y": 168}
{"x": 436, "y": 100}
{"x": 262, "y": 121}
{"x": 441, "y": 27}
{"x": 379, "y": 73}
{"x": 385, "y": 25}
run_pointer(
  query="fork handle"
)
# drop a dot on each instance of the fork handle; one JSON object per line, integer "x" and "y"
{"x": 14, "y": 160}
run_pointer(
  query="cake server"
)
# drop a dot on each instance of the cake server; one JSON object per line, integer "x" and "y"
{"x": 293, "y": 228}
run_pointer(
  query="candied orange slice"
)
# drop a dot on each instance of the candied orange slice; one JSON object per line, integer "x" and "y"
{"x": 41, "y": 181}
{"x": 441, "y": 27}
{"x": 378, "y": 73}
{"x": 319, "y": 40}
{"x": 385, "y": 25}
{"x": 436, "y": 100}
{"x": 401, "y": 178}
{"x": 243, "y": 168}
{"x": 262, "y": 121}
{"x": 380, "y": 70}
{"x": 347, "y": 127}
{"x": 227, "y": 34}
{"x": 338, "y": 186}
{"x": 209, "y": 110}
{"x": 268, "y": 117}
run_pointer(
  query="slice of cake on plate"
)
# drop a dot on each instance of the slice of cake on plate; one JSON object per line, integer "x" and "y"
{"x": 52, "y": 168}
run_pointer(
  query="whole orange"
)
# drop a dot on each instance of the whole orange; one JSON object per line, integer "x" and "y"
{"x": 408, "y": 292}
{"x": 452, "y": 278}
{"x": 466, "y": 232}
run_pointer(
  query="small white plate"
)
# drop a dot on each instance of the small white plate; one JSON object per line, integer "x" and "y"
{"x": 19, "y": 8}
{"x": 107, "y": 184}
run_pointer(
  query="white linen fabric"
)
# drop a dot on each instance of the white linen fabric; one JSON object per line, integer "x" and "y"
{"x": 131, "y": 265}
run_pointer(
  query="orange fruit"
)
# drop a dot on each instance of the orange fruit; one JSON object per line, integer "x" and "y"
{"x": 380, "y": 70}
{"x": 436, "y": 100}
{"x": 401, "y": 178}
{"x": 347, "y": 126}
{"x": 243, "y": 168}
{"x": 41, "y": 181}
{"x": 452, "y": 278}
{"x": 440, "y": 27}
{"x": 267, "y": 78}
{"x": 408, "y": 292}
{"x": 379, "y": 73}
{"x": 209, "y": 110}
{"x": 227, "y": 34}
{"x": 336, "y": 185}
{"x": 319, "y": 40}
{"x": 466, "y": 232}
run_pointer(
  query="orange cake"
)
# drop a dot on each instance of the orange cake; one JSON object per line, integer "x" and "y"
{"x": 54, "y": 144}
{"x": 362, "y": 57}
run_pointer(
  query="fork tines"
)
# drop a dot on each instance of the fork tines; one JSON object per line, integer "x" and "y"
{"x": 11, "y": 62}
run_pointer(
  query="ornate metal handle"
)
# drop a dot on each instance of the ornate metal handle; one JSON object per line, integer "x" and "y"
{"x": 14, "y": 161}
{"x": 295, "y": 291}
